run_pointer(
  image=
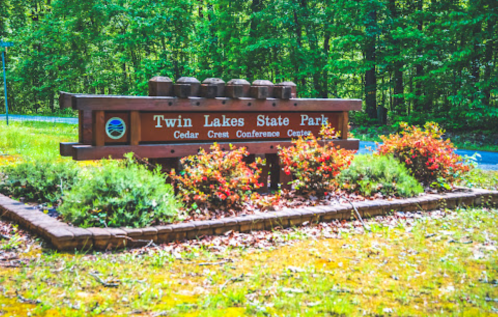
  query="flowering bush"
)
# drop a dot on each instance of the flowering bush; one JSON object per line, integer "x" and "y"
{"x": 219, "y": 179}
{"x": 430, "y": 159}
{"x": 314, "y": 167}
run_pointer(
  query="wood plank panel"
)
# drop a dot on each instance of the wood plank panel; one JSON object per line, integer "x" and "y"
{"x": 98, "y": 128}
{"x": 173, "y": 104}
{"x": 86, "y": 127}
{"x": 135, "y": 128}
{"x": 182, "y": 127}
{"x": 87, "y": 152}
{"x": 80, "y": 126}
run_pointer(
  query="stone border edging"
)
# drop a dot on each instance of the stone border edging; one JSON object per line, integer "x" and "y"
{"x": 65, "y": 237}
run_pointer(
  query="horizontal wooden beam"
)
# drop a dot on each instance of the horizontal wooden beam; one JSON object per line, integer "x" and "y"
{"x": 88, "y": 152}
{"x": 173, "y": 104}
{"x": 66, "y": 148}
{"x": 65, "y": 100}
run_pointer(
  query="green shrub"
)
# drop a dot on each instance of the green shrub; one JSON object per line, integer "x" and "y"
{"x": 41, "y": 181}
{"x": 371, "y": 174}
{"x": 118, "y": 194}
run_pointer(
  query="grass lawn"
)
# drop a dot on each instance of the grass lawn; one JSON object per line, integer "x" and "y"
{"x": 34, "y": 139}
{"x": 443, "y": 263}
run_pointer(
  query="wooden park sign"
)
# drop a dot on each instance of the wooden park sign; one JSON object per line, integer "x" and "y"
{"x": 176, "y": 120}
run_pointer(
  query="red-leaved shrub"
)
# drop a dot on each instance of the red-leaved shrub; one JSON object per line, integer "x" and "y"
{"x": 217, "y": 180}
{"x": 314, "y": 167}
{"x": 430, "y": 159}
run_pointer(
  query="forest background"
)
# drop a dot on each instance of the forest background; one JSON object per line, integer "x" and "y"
{"x": 418, "y": 59}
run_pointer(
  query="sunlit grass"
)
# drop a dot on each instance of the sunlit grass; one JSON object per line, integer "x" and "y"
{"x": 478, "y": 178}
{"x": 445, "y": 266}
{"x": 34, "y": 140}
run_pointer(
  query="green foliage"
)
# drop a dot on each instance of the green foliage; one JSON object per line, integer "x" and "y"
{"x": 120, "y": 194}
{"x": 372, "y": 174}
{"x": 218, "y": 179}
{"x": 425, "y": 66}
{"x": 41, "y": 181}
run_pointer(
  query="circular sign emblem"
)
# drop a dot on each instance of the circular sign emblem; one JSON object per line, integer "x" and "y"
{"x": 115, "y": 128}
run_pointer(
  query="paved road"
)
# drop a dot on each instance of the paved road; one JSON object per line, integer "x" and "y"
{"x": 488, "y": 160}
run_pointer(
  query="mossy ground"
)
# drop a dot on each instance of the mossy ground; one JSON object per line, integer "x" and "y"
{"x": 439, "y": 264}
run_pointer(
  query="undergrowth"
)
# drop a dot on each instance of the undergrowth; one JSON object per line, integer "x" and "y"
{"x": 120, "y": 194}
{"x": 40, "y": 181}
{"x": 372, "y": 174}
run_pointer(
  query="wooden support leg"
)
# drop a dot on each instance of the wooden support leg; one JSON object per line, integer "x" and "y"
{"x": 167, "y": 164}
{"x": 263, "y": 177}
{"x": 277, "y": 175}
{"x": 344, "y": 124}
{"x": 284, "y": 179}
{"x": 80, "y": 126}
{"x": 86, "y": 126}
{"x": 272, "y": 162}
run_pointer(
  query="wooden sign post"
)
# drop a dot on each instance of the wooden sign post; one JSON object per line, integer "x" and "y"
{"x": 176, "y": 120}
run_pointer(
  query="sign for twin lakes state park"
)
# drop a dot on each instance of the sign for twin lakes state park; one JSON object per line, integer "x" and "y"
{"x": 192, "y": 127}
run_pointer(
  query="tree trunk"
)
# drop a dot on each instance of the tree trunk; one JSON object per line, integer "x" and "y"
{"x": 398, "y": 98}
{"x": 326, "y": 49}
{"x": 370, "y": 76}
{"x": 488, "y": 56}
{"x": 420, "y": 104}
{"x": 252, "y": 58}
{"x": 298, "y": 51}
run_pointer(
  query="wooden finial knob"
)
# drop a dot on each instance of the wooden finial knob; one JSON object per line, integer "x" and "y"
{"x": 186, "y": 87}
{"x": 237, "y": 88}
{"x": 160, "y": 86}
{"x": 261, "y": 89}
{"x": 213, "y": 87}
{"x": 288, "y": 84}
